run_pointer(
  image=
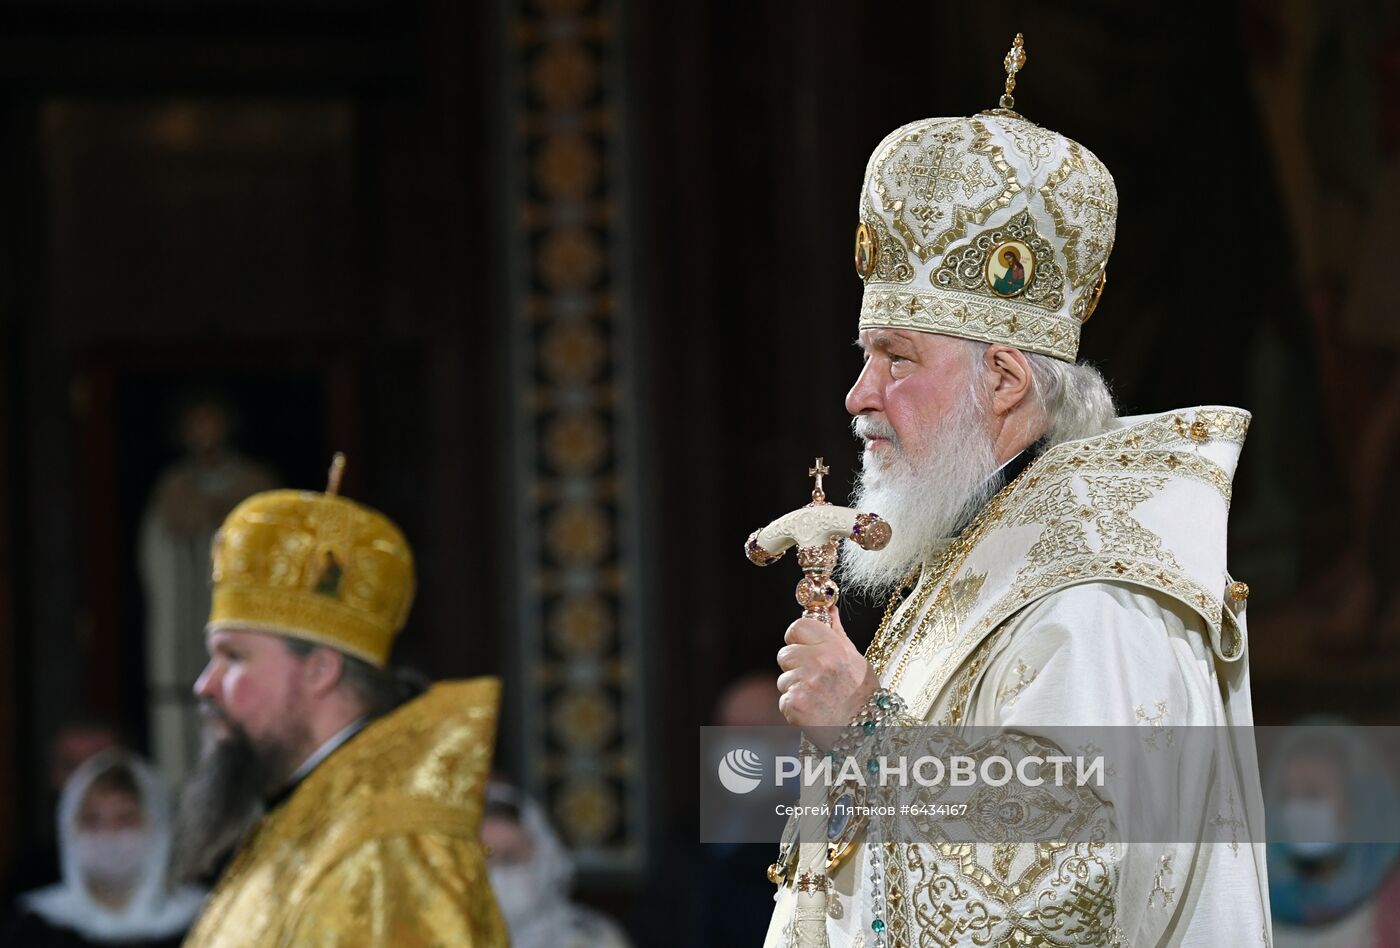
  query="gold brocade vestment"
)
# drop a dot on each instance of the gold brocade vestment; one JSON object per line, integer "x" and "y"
{"x": 378, "y": 845}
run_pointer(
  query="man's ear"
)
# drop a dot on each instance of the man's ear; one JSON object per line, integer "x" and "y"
{"x": 1011, "y": 371}
{"x": 323, "y": 669}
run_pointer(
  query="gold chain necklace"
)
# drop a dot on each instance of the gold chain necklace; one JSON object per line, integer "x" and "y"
{"x": 886, "y": 638}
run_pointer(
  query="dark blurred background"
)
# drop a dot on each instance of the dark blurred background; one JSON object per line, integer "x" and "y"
{"x": 570, "y": 282}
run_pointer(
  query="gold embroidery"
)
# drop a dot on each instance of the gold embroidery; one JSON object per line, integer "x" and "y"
{"x": 992, "y": 319}
{"x": 931, "y": 890}
{"x": 1233, "y": 822}
{"x": 1160, "y": 888}
{"x": 1101, "y": 462}
{"x": 962, "y": 685}
{"x": 896, "y": 883}
{"x": 1091, "y": 750}
{"x": 1004, "y": 815}
{"x": 1102, "y": 458}
{"x": 936, "y": 178}
{"x": 1001, "y": 892}
{"x": 1157, "y": 725}
{"x": 949, "y": 908}
{"x": 965, "y": 269}
{"x": 1177, "y": 586}
{"x": 1025, "y": 675}
{"x": 1031, "y": 142}
{"x": 891, "y": 256}
{"x": 957, "y": 604}
{"x": 1108, "y": 510}
{"x": 1227, "y": 423}
{"x": 1083, "y": 201}
{"x": 1084, "y": 914}
{"x": 950, "y": 595}
{"x": 1002, "y": 854}
{"x": 890, "y": 635}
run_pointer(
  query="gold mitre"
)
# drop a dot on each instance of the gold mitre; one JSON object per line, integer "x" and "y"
{"x": 313, "y": 566}
{"x": 988, "y": 227}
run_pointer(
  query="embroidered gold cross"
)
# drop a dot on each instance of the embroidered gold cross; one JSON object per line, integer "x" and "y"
{"x": 941, "y": 171}
{"x": 1234, "y": 822}
{"x": 1157, "y": 725}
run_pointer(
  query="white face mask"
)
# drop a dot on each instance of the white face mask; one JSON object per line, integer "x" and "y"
{"x": 518, "y": 892}
{"x": 1314, "y": 831}
{"x": 114, "y": 859}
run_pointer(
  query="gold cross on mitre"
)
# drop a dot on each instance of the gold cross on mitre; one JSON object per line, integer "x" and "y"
{"x": 818, "y": 470}
{"x": 1014, "y": 62}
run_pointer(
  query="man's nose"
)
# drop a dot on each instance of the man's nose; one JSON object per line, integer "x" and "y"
{"x": 864, "y": 395}
{"x": 205, "y": 683}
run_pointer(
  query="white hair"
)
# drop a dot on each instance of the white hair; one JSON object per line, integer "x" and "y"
{"x": 1074, "y": 398}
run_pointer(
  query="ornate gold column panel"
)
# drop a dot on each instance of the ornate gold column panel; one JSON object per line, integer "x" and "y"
{"x": 579, "y": 668}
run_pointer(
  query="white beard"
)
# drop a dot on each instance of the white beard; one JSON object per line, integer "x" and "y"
{"x": 924, "y": 499}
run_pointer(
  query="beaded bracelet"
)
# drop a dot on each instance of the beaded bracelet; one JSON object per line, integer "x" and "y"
{"x": 882, "y": 708}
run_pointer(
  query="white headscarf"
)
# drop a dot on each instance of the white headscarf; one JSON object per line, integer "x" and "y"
{"x": 534, "y": 896}
{"x": 153, "y": 911}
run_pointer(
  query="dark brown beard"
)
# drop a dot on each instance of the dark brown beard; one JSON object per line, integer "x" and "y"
{"x": 222, "y": 798}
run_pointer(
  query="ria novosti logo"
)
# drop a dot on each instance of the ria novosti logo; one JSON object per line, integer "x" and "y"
{"x": 740, "y": 770}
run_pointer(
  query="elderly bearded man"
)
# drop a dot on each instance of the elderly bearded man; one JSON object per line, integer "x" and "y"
{"x": 1051, "y": 564}
{"x": 373, "y": 789}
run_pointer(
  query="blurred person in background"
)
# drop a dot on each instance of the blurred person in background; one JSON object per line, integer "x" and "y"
{"x": 1325, "y": 789}
{"x": 350, "y": 795}
{"x": 532, "y": 873}
{"x": 78, "y": 738}
{"x": 190, "y": 499}
{"x": 728, "y": 877}
{"x": 114, "y": 838}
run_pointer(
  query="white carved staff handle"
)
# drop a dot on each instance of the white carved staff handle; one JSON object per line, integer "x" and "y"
{"x": 816, "y": 530}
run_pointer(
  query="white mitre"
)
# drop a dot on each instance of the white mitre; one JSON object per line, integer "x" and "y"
{"x": 987, "y": 227}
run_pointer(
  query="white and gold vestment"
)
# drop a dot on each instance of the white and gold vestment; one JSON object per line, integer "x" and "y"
{"x": 1092, "y": 592}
